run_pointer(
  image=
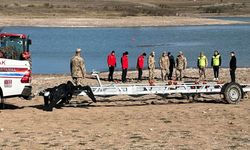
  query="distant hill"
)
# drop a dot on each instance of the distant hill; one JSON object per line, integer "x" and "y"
{"x": 122, "y": 8}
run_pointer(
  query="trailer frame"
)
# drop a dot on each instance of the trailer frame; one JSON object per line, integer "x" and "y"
{"x": 232, "y": 92}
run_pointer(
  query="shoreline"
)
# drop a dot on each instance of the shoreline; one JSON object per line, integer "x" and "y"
{"x": 129, "y": 70}
{"x": 142, "y": 21}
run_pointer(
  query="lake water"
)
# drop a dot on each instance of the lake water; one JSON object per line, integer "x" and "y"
{"x": 52, "y": 48}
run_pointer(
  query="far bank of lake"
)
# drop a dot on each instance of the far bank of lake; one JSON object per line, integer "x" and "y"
{"x": 53, "y": 47}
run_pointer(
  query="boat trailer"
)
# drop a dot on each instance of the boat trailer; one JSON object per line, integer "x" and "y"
{"x": 232, "y": 92}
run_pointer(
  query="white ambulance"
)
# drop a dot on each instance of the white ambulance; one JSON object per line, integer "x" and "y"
{"x": 15, "y": 65}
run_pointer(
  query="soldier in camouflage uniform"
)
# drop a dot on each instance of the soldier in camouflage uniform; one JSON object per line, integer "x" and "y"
{"x": 164, "y": 65}
{"x": 151, "y": 65}
{"x": 181, "y": 64}
{"x": 77, "y": 67}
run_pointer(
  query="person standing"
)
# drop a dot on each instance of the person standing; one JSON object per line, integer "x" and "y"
{"x": 181, "y": 65}
{"x": 164, "y": 65}
{"x": 124, "y": 62}
{"x": 233, "y": 66}
{"x": 171, "y": 65}
{"x": 111, "y": 64}
{"x": 202, "y": 63}
{"x": 151, "y": 66}
{"x": 140, "y": 65}
{"x": 216, "y": 63}
{"x": 77, "y": 67}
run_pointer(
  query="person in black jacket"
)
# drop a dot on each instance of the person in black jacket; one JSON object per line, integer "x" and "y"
{"x": 233, "y": 66}
{"x": 171, "y": 65}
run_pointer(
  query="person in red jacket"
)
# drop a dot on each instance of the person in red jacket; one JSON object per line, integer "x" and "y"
{"x": 124, "y": 62}
{"x": 140, "y": 65}
{"x": 111, "y": 64}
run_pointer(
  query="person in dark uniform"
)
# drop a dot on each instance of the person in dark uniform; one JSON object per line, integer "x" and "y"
{"x": 171, "y": 65}
{"x": 233, "y": 66}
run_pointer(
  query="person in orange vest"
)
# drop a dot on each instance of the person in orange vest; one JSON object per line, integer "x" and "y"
{"x": 25, "y": 55}
{"x": 111, "y": 64}
{"x": 124, "y": 62}
{"x": 140, "y": 65}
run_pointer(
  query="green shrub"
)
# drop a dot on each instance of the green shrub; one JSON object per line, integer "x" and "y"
{"x": 16, "y": 4}
{"x": 213, "y": 9}
{"x": 31, "y": 5}
{"x": 46, "y": 4}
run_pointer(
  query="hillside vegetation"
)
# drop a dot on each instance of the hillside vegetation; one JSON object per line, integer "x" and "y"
{"x": 122, "y": 8}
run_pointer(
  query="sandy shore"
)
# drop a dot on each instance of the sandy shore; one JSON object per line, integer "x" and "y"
{"x": 114, "y": 22}
{"x": 148, "y": 122}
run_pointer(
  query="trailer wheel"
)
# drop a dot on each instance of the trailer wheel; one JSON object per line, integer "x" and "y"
{"x": 232, "y": 93}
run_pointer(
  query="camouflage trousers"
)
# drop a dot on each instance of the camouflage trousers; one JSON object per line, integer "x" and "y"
{"x": 164, "y": 74}
{"x": 77, "y": 80}
{"x": 202, "y": 72}
{"x": 179, "y": 74}
{"x": 151, "y": 74}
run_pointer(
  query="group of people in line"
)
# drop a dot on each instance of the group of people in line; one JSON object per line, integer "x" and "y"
{"x": 167, "y": 63}
{"x": 216, "y": 60}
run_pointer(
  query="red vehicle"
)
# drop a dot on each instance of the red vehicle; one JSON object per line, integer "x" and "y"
{"x": 15, "y": 65}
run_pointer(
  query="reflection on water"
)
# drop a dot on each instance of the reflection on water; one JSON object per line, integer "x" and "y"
{"x": 52, "y": 48}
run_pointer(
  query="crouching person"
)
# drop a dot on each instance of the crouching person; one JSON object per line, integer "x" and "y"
{"x": 63, "y": 93}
